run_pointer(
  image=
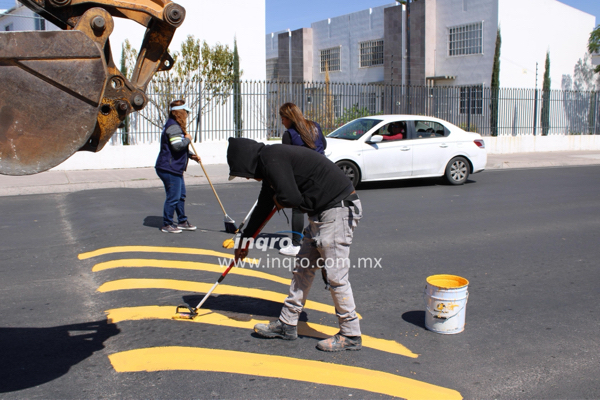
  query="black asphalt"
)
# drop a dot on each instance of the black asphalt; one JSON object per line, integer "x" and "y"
{"x": 527, "y": 240}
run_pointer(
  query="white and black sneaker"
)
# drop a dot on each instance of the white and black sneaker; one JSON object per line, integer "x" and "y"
{"x": 290, "y": 250}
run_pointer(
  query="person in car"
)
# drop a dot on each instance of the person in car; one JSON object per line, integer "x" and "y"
{"x": 396, "y": 131}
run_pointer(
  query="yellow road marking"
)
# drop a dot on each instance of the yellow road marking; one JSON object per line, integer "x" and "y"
{"x": 200, "y": 287}
{"x": 191, "y": 265}
{"x": 153, "y": 249}
{"x": 200, "y": 359}
{"x": 245, "y": 321}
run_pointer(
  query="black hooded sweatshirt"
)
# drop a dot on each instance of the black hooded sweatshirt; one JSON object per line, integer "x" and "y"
{"x": 298, "y": 177}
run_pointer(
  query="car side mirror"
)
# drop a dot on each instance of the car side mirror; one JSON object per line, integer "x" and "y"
{"x": 375, "y": 139}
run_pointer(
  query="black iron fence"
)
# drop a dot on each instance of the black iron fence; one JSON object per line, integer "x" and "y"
{"x": 488, "y": 111}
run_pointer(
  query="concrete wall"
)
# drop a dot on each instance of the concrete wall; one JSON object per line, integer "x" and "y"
{"x": 215, "y": 22}
{"x": 348, "y": 31}
{"x": 474, "y": 68}
{"x": 139, "y": 156}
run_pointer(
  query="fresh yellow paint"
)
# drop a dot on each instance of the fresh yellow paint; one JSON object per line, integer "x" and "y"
{"x": 245, "y": 321}
{"x": 153, "y": 249}
{"x": 200, "y": 359}
{"x": 191, "y": 265}
{"x": 200, "y": 287}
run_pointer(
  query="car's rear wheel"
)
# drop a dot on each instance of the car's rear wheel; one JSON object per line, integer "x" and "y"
{"x": 351, "y": 171}
{"x": 457, "y": 171}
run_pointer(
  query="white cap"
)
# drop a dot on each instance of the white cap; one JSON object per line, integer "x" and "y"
{"x": 183, "y": 107}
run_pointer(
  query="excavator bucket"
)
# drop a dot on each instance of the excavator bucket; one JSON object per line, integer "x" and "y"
{"x": 52, "y": 86}
{"x": 60, "y": 91}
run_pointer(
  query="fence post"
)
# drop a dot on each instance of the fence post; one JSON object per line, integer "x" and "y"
{"x": 469, "y": 110}
{"x": 535, "y": 106}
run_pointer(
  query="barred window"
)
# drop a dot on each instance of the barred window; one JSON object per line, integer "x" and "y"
{"x": 272, "y": 73}
{"x": 40, "y": 24}
{"x": 465, "y": 39}
{"x": 330, "y": 59}
{"x": 371, "y": 53}
{"x": 475, "y": 95}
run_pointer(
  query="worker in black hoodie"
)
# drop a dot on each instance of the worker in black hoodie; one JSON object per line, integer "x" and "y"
{"x": 297, "y": 177}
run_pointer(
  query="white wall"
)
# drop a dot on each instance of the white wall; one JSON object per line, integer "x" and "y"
{"x": 216, "y": 22}
{"x": 529, "y": 29}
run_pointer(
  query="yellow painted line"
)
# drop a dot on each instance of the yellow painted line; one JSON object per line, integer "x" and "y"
{"x": 190, "y": 265}
{"x": 153, "y": 249}
{"x": 245, "y": 321}
{"x": 200, "y": 287}
{"x": 235, "y": 362}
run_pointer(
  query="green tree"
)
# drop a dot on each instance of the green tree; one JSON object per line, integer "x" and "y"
{"x": 594, "y": 44}
{"x": 237, "y": 98}
{"x": 202, "y": 75}
{"x": 124, "y": 71}
{"x": 495, "y": 86}
{"x": 351, "y": 114}
{"x": 546, "y": 97}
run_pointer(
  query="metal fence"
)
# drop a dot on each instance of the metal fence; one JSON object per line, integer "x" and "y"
{"x": 487, "y": 111}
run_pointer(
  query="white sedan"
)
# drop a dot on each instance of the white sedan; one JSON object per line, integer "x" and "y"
{"x": 385, "y": 147}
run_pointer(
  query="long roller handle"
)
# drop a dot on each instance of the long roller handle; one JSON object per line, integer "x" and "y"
{"x": 211, "y": 185}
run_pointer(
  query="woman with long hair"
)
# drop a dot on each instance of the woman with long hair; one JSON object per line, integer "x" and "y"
{"x": 299, "y": 132}
{"x": 170, "y": 165}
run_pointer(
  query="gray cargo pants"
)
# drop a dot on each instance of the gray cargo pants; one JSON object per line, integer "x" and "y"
{"x": 326, "y": 243}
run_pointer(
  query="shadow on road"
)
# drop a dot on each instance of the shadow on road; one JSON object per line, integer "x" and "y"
{"x": 415, "y": 317}
{"x": 407, "y": 183}
{"x": 153, "y": 222}
{"x": 33, "y": 356}
{"x": 240, "y": 304}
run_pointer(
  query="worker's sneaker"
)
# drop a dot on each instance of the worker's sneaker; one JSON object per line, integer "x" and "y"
{"x": 170, "y": 229}
{"x": 277, "y": 329}
{"x": 340, "y": 343}
{"x": 186, "y": 226}
{"x": 290, "y": 250}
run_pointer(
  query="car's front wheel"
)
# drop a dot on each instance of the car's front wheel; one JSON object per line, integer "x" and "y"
{"x": 457, "y": 171}
{"x": 350, "y": 170}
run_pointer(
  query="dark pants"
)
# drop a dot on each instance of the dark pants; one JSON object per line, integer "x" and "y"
{"x": 175, "y": 202}
{"x": 297, "y": 226}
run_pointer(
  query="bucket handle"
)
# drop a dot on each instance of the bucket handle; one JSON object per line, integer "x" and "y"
{"x": 432, "y": 312}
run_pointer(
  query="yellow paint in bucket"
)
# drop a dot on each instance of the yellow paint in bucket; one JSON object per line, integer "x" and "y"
{"x": 446, "y": 301}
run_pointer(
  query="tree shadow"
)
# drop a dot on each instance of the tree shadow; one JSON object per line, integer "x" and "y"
{"x": 415, "y": 317}
{"x": 33, "y": 356}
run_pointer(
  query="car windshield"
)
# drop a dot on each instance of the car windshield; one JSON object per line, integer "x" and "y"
{"x": 355, "y": 129}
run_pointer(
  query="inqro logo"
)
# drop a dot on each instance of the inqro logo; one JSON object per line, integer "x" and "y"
{"x": 265, "y": 243}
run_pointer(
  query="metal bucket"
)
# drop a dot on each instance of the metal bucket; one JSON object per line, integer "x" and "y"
{"x": 446, "y": 303}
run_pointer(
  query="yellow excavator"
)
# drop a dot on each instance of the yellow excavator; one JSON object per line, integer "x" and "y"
{"x": 60, "y": 91}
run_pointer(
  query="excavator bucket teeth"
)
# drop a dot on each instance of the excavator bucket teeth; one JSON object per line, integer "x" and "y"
{"x": 52, "y": 89}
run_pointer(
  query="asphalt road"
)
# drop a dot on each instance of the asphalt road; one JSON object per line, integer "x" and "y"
{"x": 527, "y": 240}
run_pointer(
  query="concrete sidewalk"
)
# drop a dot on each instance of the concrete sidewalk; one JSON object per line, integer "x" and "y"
{"x": 72, "y": 181}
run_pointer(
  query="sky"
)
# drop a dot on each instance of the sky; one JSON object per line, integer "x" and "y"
{"x": 294, "y": 14}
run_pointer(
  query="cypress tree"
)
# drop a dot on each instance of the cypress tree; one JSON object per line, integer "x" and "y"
{"x": 495, "y": 86}
{"x": 546, "y": 97}
{"x": 237, "y": 98}
{"x": 125, "y": 131}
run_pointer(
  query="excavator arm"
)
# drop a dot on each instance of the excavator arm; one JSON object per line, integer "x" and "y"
{"x": 61, "y": 92}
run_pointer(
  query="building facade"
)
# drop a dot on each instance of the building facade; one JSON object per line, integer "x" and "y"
{"x": 435, "y": 43}
{"x": 16, "y": 17}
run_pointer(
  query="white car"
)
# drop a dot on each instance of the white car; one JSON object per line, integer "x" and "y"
{"x": 385, "y": 147}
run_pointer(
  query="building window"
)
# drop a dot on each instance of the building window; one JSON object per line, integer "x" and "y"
{"x": 272, "y": 73}
{"x": 465, "y": 39}
{"x": 330, "y": 59}
{"x": 40, "y": 24}
{"x": 371, "y": 53}
{"x": 8, "y": 27}
{"x": 475, "y": 95}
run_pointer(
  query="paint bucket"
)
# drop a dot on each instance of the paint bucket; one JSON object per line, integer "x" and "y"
{"x": 446, "y": 302}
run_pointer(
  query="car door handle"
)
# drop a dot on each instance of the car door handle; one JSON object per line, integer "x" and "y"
{"x": 405, "y": 148}
{"x": 443, "y": 145}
